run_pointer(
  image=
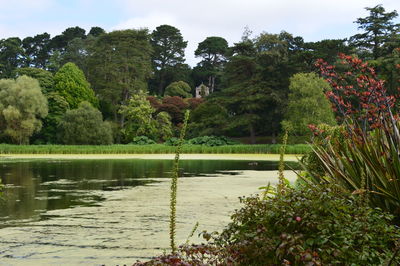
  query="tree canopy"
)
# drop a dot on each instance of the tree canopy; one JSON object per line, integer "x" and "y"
{"x": 84, "y": 125}
{"x": 307, "y": 104}
{"x": 378, "y": 29}
{"x": 22, "y": 105}
{"x": 70, "y": 83}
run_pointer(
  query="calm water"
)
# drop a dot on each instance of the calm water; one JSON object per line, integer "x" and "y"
{"x": 70, "y": 212}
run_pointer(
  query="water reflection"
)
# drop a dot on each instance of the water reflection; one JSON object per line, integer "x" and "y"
{"x": 36, "y": 186}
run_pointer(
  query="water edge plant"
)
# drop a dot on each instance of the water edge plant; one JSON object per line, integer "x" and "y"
{"x": 174, "y": 185}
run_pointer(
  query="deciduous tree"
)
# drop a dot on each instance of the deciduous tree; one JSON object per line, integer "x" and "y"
{"x": 307, "y": 104}
{"x": 139, "y": 120}
{"x": 84, "y": 125}
{"x": 22, "y": 106}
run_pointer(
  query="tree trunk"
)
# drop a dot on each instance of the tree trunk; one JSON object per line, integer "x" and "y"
{"x": 161, "y": 84}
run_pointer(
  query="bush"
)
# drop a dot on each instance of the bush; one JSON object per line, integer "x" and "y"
{"x": 178, "y": 88}
{"x": 303, "y": 226}
{"x": 172, "y": 141}
{"x": 85, "y": 125}
{"x": 142, "y": 140}
{"x": 211, "y": 141}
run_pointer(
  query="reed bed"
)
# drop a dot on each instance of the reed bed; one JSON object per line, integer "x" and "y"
{"x": 150, "y": 149}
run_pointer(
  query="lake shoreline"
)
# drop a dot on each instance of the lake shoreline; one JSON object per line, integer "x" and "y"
{"x": 235, "y": 156}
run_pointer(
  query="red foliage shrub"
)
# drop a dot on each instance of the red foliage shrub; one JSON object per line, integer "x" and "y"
{"x": 194, "y": 102}
{"x": 176, "y": 101}
{"x": 357, "y": 93}
{"x": 173, "y": 111}
{"x": 154, "y": 101}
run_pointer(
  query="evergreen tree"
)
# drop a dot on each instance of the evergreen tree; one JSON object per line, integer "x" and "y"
{"x": 169, "y": 54}
{"x": 70, "y": 83}
{"x": 378, "y": 29}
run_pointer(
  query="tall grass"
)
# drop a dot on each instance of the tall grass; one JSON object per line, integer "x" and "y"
{"x": 149, "y": 149}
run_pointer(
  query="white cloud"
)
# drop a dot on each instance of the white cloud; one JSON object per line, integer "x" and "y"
{"x": 312, "y": 19}
{"x": 150, "y": 21}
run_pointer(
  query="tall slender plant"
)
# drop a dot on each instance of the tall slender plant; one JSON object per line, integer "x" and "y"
{"x": 174, "y": 185}
{"x": 282, "y": 180}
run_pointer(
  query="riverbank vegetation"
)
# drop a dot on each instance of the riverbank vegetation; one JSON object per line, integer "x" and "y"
{"x": 150, "y": 149}
{"x": 344, "y": 207}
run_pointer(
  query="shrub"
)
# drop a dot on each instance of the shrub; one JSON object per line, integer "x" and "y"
{"x": 164, "y": 126}
{"x": 154, "y": 102}
{"x": 172, "y": 141}
{"x": 142, "y": 140}
{"x": 85, "y": 125}
{"x": 303, "y": 226}
{"x": 194, "y": 102}
{"x": 178, "y": 88}
{"x": 365, "y": 158}
{"x": 211, "y": 141}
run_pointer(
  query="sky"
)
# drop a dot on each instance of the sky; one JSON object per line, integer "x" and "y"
{"x": 313, "y": 20}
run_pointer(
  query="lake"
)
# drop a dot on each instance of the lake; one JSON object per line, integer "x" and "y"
{"x": 94, "y": 212}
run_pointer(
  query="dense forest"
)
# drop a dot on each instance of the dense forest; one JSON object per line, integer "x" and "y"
{"x": 101, "y": 87}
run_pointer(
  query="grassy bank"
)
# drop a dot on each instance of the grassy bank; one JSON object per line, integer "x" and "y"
{"x": 149, "y": 149}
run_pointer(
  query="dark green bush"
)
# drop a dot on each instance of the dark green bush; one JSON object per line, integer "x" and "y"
{"x": 303, "y": 226}
{"x": 142, "y": 140}
{"x": 211, "y": 141}
{"x": 173, "y": 141}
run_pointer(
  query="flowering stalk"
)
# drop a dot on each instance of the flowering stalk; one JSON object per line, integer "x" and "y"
{"x": 174, "y": 185}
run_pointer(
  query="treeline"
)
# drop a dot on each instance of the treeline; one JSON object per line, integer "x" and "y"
{"x": 110, "y": 87}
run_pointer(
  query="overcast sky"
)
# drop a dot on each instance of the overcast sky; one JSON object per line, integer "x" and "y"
{"x": 312, "y": 19}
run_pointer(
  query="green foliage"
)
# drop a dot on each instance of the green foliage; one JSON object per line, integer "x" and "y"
{"x": 304, "y": 226}
{"x": 36, "y": 52}
{"x": 213, "y": 50}
{"x": 11, "y": 56}
{"x": 211, "y": 141}
{"x": 138, "y": 115}
{"x": 57, "y": 107}
{"x": 307, "y": 104}
{"x": 70, "y": 83}
{"x": 142, "y": 140}
{"x": 370, "y": 166}
{"x": 85, "y": 125}
{"x": 168, "y": 57}
{"x": 150, "y": 149}
{"x": 178, "y": 88}
{"x": 174, "y": 183}
{"x": 120, "y": 64}
{"x": 309, "y": 225}
{"x": 164, "y": 126}
{"x": 44, "y": 77}
{"x": 172, "y": 141}
{"x": 22, "y": 105}
{"x": 378, "y": 29}
{"x": 209, "y": 118}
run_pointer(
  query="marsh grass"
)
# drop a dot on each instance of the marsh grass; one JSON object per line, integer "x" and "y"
{"x": 151, "y": 149}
